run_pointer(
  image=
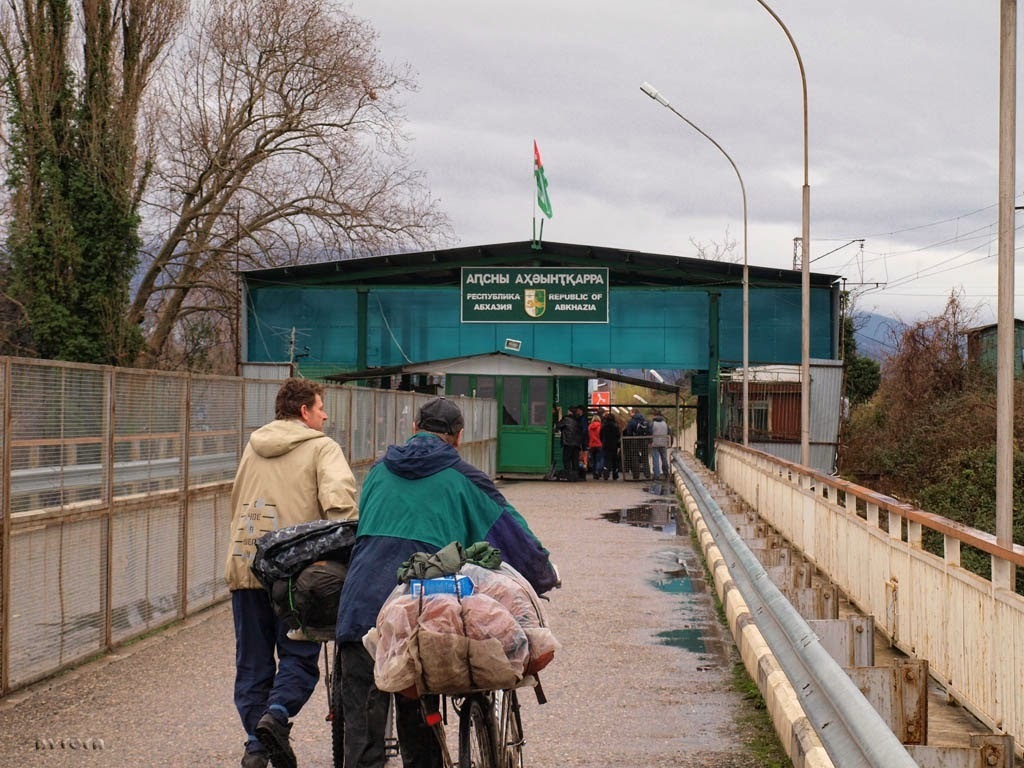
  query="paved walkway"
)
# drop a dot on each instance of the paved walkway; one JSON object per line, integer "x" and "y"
{"x": 642, "y": 680}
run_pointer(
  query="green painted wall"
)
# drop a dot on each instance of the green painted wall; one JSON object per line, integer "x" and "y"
{"x": 648, "y": 328}
{"x": 988, "y": 349}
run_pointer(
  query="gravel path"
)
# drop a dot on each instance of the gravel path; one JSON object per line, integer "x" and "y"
{"x": 642, "y": 679}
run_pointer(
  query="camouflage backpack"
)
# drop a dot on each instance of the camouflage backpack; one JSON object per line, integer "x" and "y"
{"x": 303, "y": 568}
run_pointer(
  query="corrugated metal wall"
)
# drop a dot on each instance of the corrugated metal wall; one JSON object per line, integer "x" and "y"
{"x": 783, "y": 397}
{"x": 647, "y": 328}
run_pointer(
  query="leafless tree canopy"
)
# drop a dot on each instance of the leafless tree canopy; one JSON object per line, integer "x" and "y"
{"x": 271, "y": 134}
{"x": 278, "y": 140}
{"x": 717, "y": 251}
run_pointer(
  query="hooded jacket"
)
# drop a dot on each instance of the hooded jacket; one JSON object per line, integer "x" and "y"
{"x": 289, "y": 474}
{"x": 420, "y": 497}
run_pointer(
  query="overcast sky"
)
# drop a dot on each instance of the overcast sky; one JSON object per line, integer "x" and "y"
{"x": 903, "y": 100}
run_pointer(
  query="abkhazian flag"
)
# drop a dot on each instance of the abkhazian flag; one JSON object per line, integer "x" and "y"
{"x": 542, "y": 183}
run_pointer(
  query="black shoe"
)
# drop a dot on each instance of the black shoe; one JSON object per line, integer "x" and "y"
{"x": 273, "y": 735}
{"x": 254, "y": 760}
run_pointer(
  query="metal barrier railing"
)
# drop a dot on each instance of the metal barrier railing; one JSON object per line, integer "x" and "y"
{"x": 852, "y": 731}
{"x": 115, "y": 495}
{"x": 928, "y": 605}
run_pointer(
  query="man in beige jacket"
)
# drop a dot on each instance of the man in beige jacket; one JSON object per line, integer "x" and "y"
{"x": 290, "y": 472}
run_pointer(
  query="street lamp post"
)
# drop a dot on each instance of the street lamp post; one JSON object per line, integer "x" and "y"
{"x": 653, "y": 92}
{"x": 805, "y": 272}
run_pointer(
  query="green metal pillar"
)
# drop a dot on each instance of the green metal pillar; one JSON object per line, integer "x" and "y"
{"x": 713, "y": 376}
{"x": 362, "y": 302}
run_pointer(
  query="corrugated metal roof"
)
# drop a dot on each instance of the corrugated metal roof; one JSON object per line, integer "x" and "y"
{"x": 442, "y": 267}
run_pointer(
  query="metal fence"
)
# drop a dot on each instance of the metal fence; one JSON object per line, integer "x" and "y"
{"x": 968, "y": 627}
{"x": 116, "y": 490}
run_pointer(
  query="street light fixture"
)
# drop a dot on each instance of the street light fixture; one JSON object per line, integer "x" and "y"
{"x": 805, "y": 271}
{"x": 653, "y": 92}
{"x": 637, "y": 397}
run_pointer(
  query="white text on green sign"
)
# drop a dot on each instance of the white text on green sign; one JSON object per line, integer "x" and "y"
{"x": 534, "y": 294}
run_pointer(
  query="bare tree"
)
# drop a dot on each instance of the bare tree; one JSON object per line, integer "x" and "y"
{"x": 715, "y": 251}
{"x": 279, "y": 141}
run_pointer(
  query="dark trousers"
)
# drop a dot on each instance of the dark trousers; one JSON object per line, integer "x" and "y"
{"x": 260, "y": 681}
{"x": 571, "y": 461}
{"x": 611, "y": 461}
{"x": 596, "y": 461}
{"x": 366, "y": 713}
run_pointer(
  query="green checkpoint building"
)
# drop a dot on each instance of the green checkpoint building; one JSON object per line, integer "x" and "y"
{"x": 530, "y": 324}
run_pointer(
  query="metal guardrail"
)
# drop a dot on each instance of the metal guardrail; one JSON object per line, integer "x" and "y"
{"x": 77, "y": 476}
{"x": 851, "y": 730}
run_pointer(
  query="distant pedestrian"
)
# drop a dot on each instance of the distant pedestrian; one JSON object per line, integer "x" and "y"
{"x": 290, "y": 472}
{"x": 595, "y": 460}
{"x": 635, "y": 445}
{"x": 573, "y": 430}
{"x": 611, "y": 438}
{"x": 661, "y": 438}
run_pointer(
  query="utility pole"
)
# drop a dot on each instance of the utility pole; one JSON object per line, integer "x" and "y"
{"x": 1005, "y": 330}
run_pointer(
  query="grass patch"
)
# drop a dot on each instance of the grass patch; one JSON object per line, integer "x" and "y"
{"x": 752, "y": 720}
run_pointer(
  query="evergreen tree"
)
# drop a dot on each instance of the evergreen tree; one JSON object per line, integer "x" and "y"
{"x": 72, "y": 245}
{"x": 862, "y": 374}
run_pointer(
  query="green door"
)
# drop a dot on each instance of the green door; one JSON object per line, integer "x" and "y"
{"x": 524, "y": 434}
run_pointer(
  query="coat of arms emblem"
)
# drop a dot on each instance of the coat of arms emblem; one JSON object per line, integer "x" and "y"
{"x": 536, "y": 301}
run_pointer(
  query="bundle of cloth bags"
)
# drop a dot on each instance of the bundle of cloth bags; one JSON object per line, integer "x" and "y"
{"x": 474, "y": 628}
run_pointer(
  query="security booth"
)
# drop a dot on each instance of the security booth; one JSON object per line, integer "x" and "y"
{"x": 529, "y": 393}
{"x": 598, "y": 309}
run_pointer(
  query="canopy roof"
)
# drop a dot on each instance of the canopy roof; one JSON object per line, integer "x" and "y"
{"x": 497, "y": 364}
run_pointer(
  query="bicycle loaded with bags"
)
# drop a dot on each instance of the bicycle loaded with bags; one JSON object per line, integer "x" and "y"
{"x": 469, "y": 638}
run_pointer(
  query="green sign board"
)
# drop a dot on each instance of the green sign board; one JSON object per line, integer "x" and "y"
{"x": 534, "y": 295}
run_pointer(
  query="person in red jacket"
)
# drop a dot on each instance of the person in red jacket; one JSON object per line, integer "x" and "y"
{"x": 595, "y": 458}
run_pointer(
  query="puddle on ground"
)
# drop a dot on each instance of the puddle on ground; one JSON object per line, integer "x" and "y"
{"x": 661, "y": 488}
{"x": 682, "y": 574}
{"x": 656, "y": 514}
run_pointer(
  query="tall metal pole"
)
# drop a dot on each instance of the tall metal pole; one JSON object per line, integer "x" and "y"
{"x": 655, "y": 94}
{"x": 1004, "y": 333}
{"x": 805, "y": 272}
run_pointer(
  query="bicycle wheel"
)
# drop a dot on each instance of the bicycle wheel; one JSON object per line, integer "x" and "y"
{"x": 337, "y": 714}
{"x": 476, "y": 733}
{"x": 510, "y": 730}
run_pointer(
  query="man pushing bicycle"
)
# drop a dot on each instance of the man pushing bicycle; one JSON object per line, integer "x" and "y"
{"x": 419, "y": 498}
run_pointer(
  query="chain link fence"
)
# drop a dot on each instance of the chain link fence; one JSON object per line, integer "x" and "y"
{"x": 116, "y": 491}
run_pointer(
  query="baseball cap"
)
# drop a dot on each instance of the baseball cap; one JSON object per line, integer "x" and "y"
{"x": 440, "y": 415}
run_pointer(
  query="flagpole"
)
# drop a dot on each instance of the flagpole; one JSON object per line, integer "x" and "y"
{"x": 535, "y": 244}
{"x": 534, "y": 197}
{"x": 541, "y": 199}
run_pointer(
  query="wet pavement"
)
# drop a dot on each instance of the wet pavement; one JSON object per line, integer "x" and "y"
{"x": 643, "y": 678}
